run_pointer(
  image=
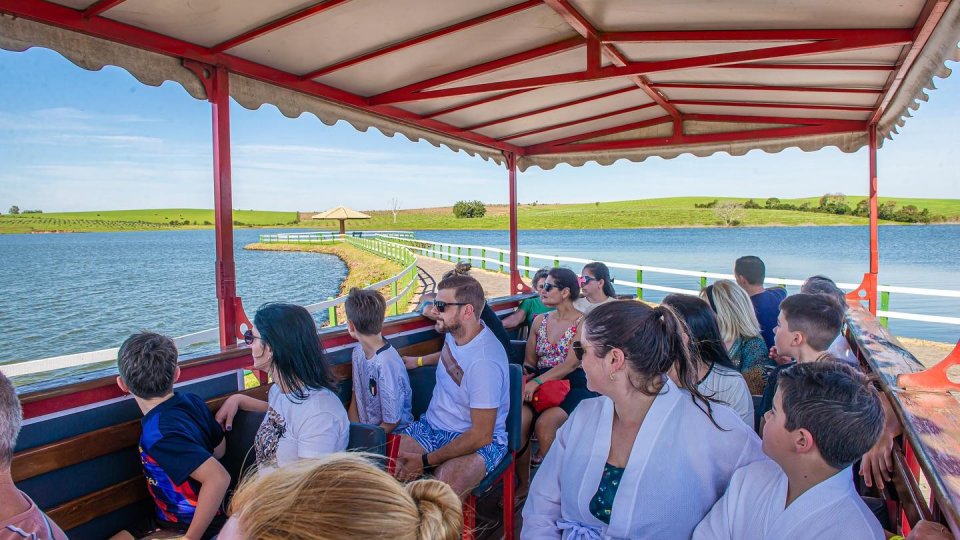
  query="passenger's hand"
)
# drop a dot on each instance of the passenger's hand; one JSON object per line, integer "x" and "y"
{"x": 529, "y": 389}
{"x": 780, "y": 359}
{"x": 227, "y": 411}
{"x": 877, "y": 464}
{"x": 929, "y": 530}
{"x": 410, "y": 362}
{"x": 409, "y": 467}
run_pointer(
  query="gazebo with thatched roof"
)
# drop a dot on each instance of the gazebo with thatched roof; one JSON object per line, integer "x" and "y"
{"x": 342, "y": 214}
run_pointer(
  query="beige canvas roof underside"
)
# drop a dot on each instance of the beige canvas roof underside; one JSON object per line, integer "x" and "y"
{"x": 361, "y": 26}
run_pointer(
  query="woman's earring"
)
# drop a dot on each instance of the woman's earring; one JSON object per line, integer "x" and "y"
{"x": 613, "y": 377}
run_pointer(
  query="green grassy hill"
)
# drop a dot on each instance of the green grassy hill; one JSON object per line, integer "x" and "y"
{"x": 667, "y": 212}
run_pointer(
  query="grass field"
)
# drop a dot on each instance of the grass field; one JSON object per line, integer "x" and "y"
{"x": 667, "y": 212}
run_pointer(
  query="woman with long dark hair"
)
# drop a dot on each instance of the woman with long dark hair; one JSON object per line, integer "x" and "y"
{"x": 596, "y": 287}
{"x": 650, "y": 456}
{"x": 716, "y": 374}
{"x": 304, "y": 417}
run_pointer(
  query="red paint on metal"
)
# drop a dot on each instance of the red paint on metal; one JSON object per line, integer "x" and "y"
{"x": 577, "y": 121}
{"x": 866, "y": 291}
{"x": 476, "y": 21}
{"x": 695, "y": 36}
{"x": 854, "y": 125}
{"x": 874, "y": 210}
{"x": 872, "y": 40}
{"x": 926, "y": 22}
{"x": 516, "y": 283}
{"x": 550, "y": 108}
{"x": 488, "y": 99}
{"x": 100, "y": 6}
{"x": 810, "y": 106}
{"x": 805, "y": 66}
{"x": 542, "y": 147}
{"x": 757, "y": 134}
{"x": 768, "y": 88}
{"x": 399, "y": 95}
{"x": 100, "y": 27}
{"x": 933, "y": 379}
{"x": 226, "y": 272}
{"x": 277, "y": 24}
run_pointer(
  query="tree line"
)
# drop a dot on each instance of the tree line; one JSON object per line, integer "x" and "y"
{"x": 836, "y": 203}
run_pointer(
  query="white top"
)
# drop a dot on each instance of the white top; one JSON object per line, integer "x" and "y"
{"x": 381, "y": 387}
{"x": 727, "y": 386}
{"x": 290, "y": 431}
{"x": 485, "y": 385}
{"x": 753, "y": 509}
{"x": 584, "y": 306}
{"x": 840, "y": 349}
{"x": 679, "y": 466}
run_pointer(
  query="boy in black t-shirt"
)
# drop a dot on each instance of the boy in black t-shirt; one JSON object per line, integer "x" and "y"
{"x": 180, "y": 442}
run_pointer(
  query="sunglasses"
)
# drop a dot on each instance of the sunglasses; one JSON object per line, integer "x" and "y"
{"x": 578, "y": 349}
{"x": 585, "y": 279}
{"x": 248, "y": 337}
{"x": 442, "y": 306}
{"x": 547, "y": 287}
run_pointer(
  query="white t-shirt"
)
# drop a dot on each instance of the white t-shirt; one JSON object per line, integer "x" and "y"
{"x": 584, "y": 306}
{"x": 381, "y": 387}
{"x": 312, "y": 428}
{"x": 729, "y": 387}
{"x": 485, "y": 385}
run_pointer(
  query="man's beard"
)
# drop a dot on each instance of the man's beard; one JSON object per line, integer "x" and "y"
{"x": 445, "y": 328}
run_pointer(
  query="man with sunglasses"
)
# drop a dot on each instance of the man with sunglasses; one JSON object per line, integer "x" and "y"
{"x": 462, "y": 436}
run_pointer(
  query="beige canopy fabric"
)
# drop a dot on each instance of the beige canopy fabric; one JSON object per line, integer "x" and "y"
{"x": 341, "y": 213}
{"x": 552, "y": 81}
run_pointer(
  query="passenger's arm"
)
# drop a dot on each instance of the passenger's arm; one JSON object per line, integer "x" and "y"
{"x": 877, "y": 464}
{"x": 542, "y": 510}
{"x": 214, "y": 481}
{"x": 238, "y": 402}
{"x": 515, "y": 319}
{"x": 388, "y": 427}
{"x": 352, "y": 413}
{"x": 530, "y": 352}
{"x": 221, "y": 449}
{"x": 432, "y": 359}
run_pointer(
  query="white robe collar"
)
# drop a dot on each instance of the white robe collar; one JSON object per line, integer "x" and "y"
{"x": 826, "y": 493}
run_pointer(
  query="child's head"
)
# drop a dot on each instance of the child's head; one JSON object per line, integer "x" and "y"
{"x": 822, "y": 410}
{"x": 148, "y": 365}
{"x": 304, "y": 499}
{"x": 807, "y": 320}
{"x": 365, "y": 311}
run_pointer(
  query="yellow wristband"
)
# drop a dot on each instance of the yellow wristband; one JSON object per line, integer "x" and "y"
{"x": 896, "y": 537}
{"x": 419, "y": 361}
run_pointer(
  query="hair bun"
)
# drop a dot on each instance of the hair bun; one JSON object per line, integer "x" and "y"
{"x": 441, "y": 514}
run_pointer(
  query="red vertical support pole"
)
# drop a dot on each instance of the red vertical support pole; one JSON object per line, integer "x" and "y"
{"x": 516, "y": 284}
{"x": 223, "y": 207}
{"x": 874, "y": 220}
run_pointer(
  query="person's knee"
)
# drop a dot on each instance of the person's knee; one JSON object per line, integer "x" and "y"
{"x": 410, "y": 445}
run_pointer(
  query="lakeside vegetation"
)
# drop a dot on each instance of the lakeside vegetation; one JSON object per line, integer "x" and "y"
{"x": 665, "y": 212}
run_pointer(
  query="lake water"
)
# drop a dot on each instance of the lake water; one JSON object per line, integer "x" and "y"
{"x": 70, "y": 293}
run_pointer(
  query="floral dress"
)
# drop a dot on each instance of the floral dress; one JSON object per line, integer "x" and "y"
{"x": 548, "y": 354}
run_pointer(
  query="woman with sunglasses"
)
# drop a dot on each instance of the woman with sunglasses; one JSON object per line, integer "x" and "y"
{"x": 596, "y": 287}
{"x": 650, "y": 457}
{"x": 304, "y": 417}
{"x": 549, "y": 357}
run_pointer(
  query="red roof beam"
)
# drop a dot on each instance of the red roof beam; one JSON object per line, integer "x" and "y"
{"x": 750, "y": 119}
{"x": 641, "y": 68}
{"x": 606, "y": 131}
{"x": 550, "y": 108}
{"x": 822, "y": 67}
{"x": 488, "y": 99}
{"x": 926, "y": 22}
{"x": 575, "y": 122}
{"x": 767, "y": 88}
{"x": 480, "y": 69}
{"x": 810, "y": 106}
{"x": 464, "y": 25}
{"x": 98, "y": 7}
{"x": 277, "y": 24}
{"x": 683, "y": 36}
{"x": 707, "y": 138}
{"x": 100, "y": 27}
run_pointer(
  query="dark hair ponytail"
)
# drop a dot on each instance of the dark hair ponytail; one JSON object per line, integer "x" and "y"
{"x": 652, "y": 343}
{"x": 600, "y": 271}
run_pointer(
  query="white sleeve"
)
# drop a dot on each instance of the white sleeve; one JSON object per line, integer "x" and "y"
{"x": 742, "y": 401}
{"x": 486, "y": 385}
{"x": 716, "y": 524}
{"x": 542, "y": 510}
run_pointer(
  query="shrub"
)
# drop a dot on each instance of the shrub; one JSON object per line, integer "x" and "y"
{"x": 469, "y": 209}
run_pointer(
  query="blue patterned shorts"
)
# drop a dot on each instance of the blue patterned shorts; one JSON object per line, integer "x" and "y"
{"x": 432, "y": 439}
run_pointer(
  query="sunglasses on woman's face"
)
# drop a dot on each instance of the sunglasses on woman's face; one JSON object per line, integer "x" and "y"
{"x": 442, "y": 306}
{"x": 585, "y": 279}
{"x": 248, "y": 337}
{"x": 578, "y": 349}
{"x": 547, "y": 287}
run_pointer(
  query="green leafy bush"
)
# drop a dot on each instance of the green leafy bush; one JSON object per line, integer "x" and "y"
{"x": 469, "y": 209}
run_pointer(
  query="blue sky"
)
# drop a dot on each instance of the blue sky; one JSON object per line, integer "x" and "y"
{"x": 71, "y": 139}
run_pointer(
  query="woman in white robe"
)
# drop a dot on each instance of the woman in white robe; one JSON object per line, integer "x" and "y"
{"x": 675, "y": 450}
